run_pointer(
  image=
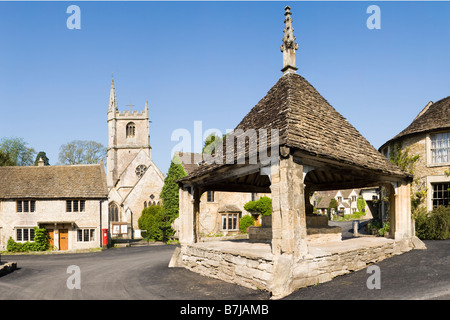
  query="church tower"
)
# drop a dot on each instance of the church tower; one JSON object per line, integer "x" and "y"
{"x": 128, "y": 133}
{"x": 134, "y": 181}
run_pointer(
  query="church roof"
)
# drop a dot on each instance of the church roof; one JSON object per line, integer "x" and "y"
{"x": 308, "y": 123}
{"x": 435, "y": 116}
{"x": 53, "y": 182}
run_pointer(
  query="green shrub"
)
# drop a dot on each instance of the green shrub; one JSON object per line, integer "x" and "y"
{"x": 156, "y": 222}
{"x": 40, "y": 242}
{"x": 263, "y": 206}
{"x": 433, "y": 225}
{"x": 245, "y": 222}
{"x": 384, "y": 229}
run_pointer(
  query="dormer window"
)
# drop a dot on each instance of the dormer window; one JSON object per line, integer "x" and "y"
{"x": 131, "y": 130}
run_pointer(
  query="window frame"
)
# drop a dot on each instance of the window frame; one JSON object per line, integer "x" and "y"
{"x": 444, "y": 192}
{"x": 30, "y": 205}
{"x": 228, "y": 217}
{"x": 79, "y": 204}
{"x": 430, "y": 149}
{"x": 26, "y": 234}
{"x": 130, "y": 130}
{"x": 210, "y": 196}
{"x": 86, "y": 235}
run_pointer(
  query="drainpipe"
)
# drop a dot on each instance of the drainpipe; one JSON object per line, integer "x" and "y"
{"x": 101, "y": 230}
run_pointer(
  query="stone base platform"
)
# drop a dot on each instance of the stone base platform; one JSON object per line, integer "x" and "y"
{"x": 252, "y": 265}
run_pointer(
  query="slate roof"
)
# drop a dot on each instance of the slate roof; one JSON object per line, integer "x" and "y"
{"x": 435, "y": 116}
{"x": 53, "y": 182}
{"x": 188, "y": 160}
{"x": 307, "y": 122}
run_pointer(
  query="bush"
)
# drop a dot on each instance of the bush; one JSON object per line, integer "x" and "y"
{"x": 245, "y": 222}
{"x": 156, "y": 222}
{"x": 262, "y": 206}
{"x": 433, "y": 225}
{"x": 40, "y": 242}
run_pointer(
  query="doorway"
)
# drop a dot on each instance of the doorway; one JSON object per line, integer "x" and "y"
{"x": 63, "y": 239}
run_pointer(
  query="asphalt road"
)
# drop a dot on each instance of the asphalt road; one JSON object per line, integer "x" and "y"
{"x": 131, "y": 273}
{"x": 142, "y": 273}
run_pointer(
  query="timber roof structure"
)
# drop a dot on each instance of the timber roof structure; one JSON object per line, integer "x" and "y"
{"x": 53, "y": 182}
{"x": 434, "y": 117}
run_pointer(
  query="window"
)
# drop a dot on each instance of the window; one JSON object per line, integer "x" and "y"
{"x": 113, "y": 211}
{"x": 353, "y": 198}
{"x": 25, "y": 234}
{"x": 440, "y": 147}
{"x": 85, "y": 235}
{"x": 131, "y": 130}
{"x": 140, "y": 170}
{"x": 441, "y": 194}
{"x": 26, "y": 206}
{"x": 75, "y": 205}
{"x": 210, "y": 196}
{"x": 230, "y": 221}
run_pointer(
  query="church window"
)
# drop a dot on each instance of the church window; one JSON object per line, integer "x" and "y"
{"x": 145, "y": 204}
{"x": 140, "y": 170}
{"x": 131, "y": 130}
{"x": 113, "y": 212}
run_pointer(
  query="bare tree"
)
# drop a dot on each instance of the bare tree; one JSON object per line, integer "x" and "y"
{"x": 82, "y": 152}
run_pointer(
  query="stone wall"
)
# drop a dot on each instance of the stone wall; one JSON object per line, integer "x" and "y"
{"x": 246, "y": 269}
{"x": 425, "y": 172}
{"x": 252, "y": 265}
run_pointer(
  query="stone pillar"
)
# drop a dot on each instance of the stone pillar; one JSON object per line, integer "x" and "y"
{"x": 402, "y": 223}
{"x": 289, "y": 243}
{"x": 186, "y": 215}
{"x": 288, "y": 208}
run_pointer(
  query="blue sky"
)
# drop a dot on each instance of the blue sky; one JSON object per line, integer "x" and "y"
{"x": 212, "y": 62}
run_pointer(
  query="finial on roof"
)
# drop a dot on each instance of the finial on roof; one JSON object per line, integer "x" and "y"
{"x": 112, "y": 98}
{"x": 289, "y": 46}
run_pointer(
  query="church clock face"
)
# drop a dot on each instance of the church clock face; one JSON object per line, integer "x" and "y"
{"x": 140, "y": 170}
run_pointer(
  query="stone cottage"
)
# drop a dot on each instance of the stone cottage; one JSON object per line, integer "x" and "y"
{"x": 428, "y": 136}
{"x": 346, "y": 200}
{"x": 220, "y": 211}
{"x": 71, "y": 202}
{"x": 303, "y": 153}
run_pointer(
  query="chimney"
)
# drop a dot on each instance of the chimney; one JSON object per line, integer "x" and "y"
{"x": 41, "y": 162}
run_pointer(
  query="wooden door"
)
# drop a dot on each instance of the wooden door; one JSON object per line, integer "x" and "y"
{"x": 63, "y": 239}
{"x": 51, "y": 238}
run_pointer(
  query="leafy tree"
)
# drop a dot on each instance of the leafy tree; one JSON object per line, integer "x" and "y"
{"x": 5, "y": 159}
{"x": 82, "y": 152}
{"x": 361, "y": 204}
{"x": 42, "y": 155}
{"x": 245, "y": 222}
{"x": 263, "y": 206}
{"x": 19, "y": 153}
{"x": 169, "y": 193}
{"x": 152, "y": 219}
{"x": 333, "y": 205}
{"x": 210, "y": 143}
